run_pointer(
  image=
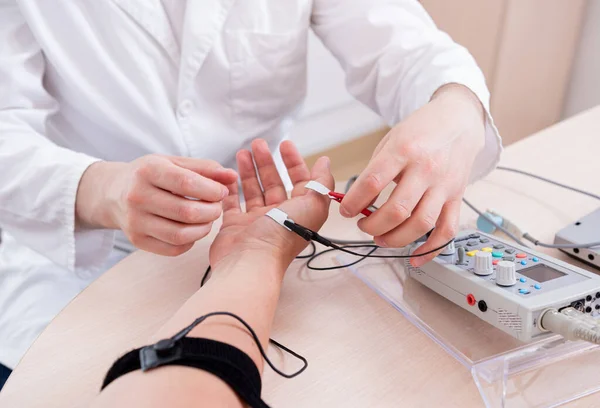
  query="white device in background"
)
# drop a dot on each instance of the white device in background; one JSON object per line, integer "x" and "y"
{"x": 585, "y": 230}
{"x": 516, "y": 289}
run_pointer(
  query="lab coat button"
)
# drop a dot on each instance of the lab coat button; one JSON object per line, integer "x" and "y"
{"x": 195, "y": 61}
{"x": 185, "y": 107}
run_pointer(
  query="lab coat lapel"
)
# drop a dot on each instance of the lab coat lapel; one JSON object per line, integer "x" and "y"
{"x": 203, "y": 23}
{"x": 151, "y": 16}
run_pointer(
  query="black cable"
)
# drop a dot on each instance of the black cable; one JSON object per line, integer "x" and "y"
{"x": 331, "y": 268}
{"x": 389, "y": 256}
{"x": 274, "y": 342}
{"x": 362, "y": 256}
{"x": 205, "y": 277}
{"x": 312, "y": 253}
{"x": 199, "y": 320}
{"x": 310, "y": 235}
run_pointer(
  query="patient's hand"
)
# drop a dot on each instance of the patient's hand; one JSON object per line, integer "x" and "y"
{"x": 252, "y": 231}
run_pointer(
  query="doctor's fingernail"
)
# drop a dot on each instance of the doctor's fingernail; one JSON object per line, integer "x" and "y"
{"x": 415, "y": 262}
{"x": 344, "y": 212}
{"x": 224, "y": 193}
{"x": 380, "y": 242}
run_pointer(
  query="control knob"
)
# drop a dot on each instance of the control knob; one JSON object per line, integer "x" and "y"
{"x": 483, "y": 263}
{"x": 450, "y": 249}
{"x": 506, "y": 274}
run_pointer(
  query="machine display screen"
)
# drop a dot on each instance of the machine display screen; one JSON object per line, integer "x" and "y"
{"x": 541, "y": 273}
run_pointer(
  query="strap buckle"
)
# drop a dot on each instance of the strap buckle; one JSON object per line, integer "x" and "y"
{"x": 162, "y": 352}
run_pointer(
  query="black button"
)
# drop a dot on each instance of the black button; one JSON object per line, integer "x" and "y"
{"x": 509, "y": 251}
{"x": 588, "y": 298}
{"x": 588, "y": 309}
{"x": 597, "y": 307}
{"x": 472, "y": 243}
{"x": 484, "y": 240}
{"x": 597, "y": 295}
{"x": 482, "y": 305}
{"x": 508, "y": 258}
{"x": 498, "y": 246}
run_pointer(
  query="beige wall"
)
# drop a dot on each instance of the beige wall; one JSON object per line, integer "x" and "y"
{"x": 524, "y": 47}
{"x": 584, "y": 88}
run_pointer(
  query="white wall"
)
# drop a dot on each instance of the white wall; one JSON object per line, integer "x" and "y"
{"x": 584, "y": 89}
{"x": 330, "y": 115}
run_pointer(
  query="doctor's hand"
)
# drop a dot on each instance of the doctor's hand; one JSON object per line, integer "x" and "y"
{"x": 429, "y": 156}
{"x": 146, "y": 199}
{"x": 250, "y": 232}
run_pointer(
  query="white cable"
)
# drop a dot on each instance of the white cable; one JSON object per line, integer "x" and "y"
{"x": 556, "y": 183}
{"x": 571, "y": 324}
{"x": 494, "y": 223}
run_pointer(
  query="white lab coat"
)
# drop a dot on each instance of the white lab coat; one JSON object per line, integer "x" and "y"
{"x": 117, "y": 79}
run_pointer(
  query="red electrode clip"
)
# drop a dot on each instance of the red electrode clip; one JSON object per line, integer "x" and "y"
{"x": 339, "y": 196}
{"x": 321, "y": 189}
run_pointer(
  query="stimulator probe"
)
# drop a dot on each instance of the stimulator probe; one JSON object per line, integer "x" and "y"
{"x": 521, "y": 292}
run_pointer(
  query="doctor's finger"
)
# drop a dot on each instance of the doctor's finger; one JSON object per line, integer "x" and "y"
{"x": 422, "y": 220}
{"x": 398, "y": 206}
{"x": 207, "y": 168}
{"x": 380, "y": 171}
{"x": 159, "y": 247}
{"x": 446, "y": 229}
{"x": 177, "y": 208}
{"x": 174, "y": 233}
{"x": 273, "y": 188}
{"x": 253, "y": 194}
{"x": 184, "y": 182}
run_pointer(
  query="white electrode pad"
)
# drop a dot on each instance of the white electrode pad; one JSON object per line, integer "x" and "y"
{"x": 278, "y": 216}
{"x": 318, "y": 187}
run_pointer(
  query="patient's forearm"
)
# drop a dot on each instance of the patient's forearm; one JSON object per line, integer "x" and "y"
{"x": 249, "y": 287}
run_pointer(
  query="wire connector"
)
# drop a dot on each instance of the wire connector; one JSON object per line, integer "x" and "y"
{"x": 571, "y": 324}
{"x": 307, "y": 234}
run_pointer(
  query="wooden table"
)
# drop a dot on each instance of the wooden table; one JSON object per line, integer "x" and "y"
{"x": 361, "y": 352}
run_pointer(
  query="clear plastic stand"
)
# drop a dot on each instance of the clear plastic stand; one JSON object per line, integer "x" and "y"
{"x": 508, "y": 373}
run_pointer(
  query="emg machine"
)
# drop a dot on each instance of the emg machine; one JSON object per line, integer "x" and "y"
{"x": 520, "y": 291}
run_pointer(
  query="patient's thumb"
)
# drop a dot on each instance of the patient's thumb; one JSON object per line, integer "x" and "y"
{"x": 321, "y": 172}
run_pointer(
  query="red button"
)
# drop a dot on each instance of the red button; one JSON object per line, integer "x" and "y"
{"x": 521, "y": 255}
{"x": 495, "y": 262}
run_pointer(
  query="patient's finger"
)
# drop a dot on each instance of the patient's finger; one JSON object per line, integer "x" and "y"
{"x": 250, "y": 186}
{"x": 295, "y": 164}
{"x": 311, "y": 210}
{"x": 231, "y": 203}
{"x": 273, "y": 188}
{"x": 321, "y": 172}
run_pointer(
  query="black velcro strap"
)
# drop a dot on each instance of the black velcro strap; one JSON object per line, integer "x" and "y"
{"x": 230, "y": 364}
